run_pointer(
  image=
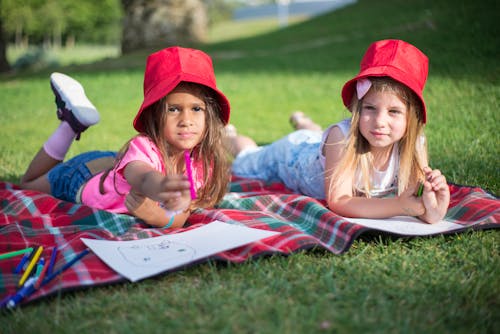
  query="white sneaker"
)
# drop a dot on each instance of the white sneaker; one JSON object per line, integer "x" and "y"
{"x": 73, "y": 106}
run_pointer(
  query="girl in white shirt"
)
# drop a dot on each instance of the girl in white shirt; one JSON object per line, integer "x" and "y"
{"x": 371, "y": 165}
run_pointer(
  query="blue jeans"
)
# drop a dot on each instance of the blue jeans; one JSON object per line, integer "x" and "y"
{"x": 68, "y": 177}
{"x": 293, "y": 160}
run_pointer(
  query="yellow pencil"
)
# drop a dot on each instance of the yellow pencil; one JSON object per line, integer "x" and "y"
{"x": 28, "y": 270}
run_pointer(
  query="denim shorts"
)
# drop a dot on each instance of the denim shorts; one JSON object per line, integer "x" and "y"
{"x": 293, "y": 160}
{"x": 68, "y": 177}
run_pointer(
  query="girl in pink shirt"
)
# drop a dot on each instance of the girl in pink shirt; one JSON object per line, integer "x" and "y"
{"x": 175, "y": 164}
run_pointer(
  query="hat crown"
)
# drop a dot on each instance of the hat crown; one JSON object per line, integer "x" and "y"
{"x": 396, "y": 59}
{"x": 399, "y": 55}
{"x": 172, "y": 63}
{"x": 166, "y": 68}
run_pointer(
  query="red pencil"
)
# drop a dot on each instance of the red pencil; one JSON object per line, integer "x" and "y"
{"x": 40, "y": 278}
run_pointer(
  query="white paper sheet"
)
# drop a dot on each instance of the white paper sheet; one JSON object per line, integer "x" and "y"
{"x": 405, "y": 225}
{"x": 138, "y": 259}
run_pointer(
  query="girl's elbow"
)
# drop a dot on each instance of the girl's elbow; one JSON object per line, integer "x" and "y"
{"x": 339, "y": 206}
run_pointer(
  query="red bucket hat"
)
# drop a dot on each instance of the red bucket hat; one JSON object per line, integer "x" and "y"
{"x": 396, "y": 59}
{"x": 166, "y": 68}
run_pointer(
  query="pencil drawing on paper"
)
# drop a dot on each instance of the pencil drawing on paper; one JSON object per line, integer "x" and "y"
{"x": 156, "y": 254}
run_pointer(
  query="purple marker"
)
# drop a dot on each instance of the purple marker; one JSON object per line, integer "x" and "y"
{"x": 52, "y": 260}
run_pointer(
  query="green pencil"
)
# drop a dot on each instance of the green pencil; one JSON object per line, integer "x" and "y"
{"x": 15, "y": 253}
{"x": 420, "y": 190}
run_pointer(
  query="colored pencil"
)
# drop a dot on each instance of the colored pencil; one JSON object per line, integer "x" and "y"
{"x": 41, "y": 277}
{"x": 420, "y": 190}
{"x": 26, "y": 290}
{"x": 15, "y": 253}
{"x": 23, "y": 261}
{"x": 32, "y": 264}
{"x": 65, "y": 266}
{"x": 52, "y": 260}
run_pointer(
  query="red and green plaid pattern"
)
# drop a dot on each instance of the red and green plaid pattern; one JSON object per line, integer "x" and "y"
{"x": 30, "y": 219}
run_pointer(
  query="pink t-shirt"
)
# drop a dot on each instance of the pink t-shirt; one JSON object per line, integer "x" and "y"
{"x": 116, "y": 187}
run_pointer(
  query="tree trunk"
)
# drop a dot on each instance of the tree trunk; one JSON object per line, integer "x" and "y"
{"x": 162, "y": 23}
{"x": 4, "y": 64}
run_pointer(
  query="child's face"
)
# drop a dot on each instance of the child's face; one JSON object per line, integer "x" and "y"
{"x": 383, "y": 119}
{"x": 185, "y": 120}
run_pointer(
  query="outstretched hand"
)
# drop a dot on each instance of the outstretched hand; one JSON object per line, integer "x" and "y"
{"x": 436, "y": 196}
{"x": 150, "y": 187}
{"x": 173, "y": 192}
{"x": 148, "y": 210}
{"x": 170, "y": 192}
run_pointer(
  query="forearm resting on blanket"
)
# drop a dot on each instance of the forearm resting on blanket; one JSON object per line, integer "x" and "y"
{"x": 148, "y": 210}
{"x": 376, "y": 208}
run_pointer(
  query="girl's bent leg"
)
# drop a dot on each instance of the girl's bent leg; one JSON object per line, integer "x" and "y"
{"x": 53, "y": 152}
{"x": 236, "y": 143}
{"x": 76, "y": 113}
{"x": 35, "y": 177}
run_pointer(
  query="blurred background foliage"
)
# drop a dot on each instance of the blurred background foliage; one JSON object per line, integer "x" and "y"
{"x": 55, "y": 23}
{"x": 31, "y": 29}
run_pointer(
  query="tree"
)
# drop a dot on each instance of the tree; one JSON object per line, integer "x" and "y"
{"x": 51, "y": 22}
{"x": 4, "y": 64}
{"x": 162, "y": 23}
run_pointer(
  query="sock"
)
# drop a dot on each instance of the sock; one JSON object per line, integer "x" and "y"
{"x": 58, "y": 144}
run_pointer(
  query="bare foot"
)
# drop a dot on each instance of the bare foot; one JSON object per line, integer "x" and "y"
{"x": 300, "y": 121}
{"x": 234, "y": 142}
{"x": 230, "y": 131}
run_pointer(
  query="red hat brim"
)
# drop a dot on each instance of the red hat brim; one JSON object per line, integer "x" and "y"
{"x": 186, "y": 65}
{"x": 395, "y": 69}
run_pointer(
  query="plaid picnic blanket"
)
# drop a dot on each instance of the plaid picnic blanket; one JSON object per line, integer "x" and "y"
{"x": 31, "y": 219}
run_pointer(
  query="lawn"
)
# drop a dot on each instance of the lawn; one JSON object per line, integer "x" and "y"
{"x": 422, "y": 285}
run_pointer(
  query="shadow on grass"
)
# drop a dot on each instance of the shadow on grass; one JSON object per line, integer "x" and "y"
{"x": 9, "y": 177}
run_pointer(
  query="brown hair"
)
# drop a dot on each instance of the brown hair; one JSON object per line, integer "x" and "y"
{"x": 210, "y": 151}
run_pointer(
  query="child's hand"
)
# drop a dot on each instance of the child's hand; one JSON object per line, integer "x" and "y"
{"x": 174, "y": 193}
{"x": 148, "y": 210}
{"x": 436, "y": 196}
{"x": 169, "y": 190}
{"x": 410, "y": 204}
{"x": 178, "y": 203}
{"x": 148, "y": 182}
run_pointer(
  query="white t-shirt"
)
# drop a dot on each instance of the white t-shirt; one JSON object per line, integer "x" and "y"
{"x": 383, "y": 182}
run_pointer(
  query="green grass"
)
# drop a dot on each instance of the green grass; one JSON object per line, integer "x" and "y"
{"x": 229, "y": 30}
{"x": 65, "y": 56}
{"x": 421, "y": 285}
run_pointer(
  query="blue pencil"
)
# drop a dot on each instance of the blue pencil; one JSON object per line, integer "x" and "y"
{"x": 64, "y": 267}
{"x": 26, "y": 290}
{"x": 23, "y": 262}
{"x": 29, "y": 287}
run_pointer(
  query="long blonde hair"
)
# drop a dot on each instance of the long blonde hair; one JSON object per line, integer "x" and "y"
{"x": 210, "y": 151}
{"x": 412, "y": 147}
